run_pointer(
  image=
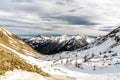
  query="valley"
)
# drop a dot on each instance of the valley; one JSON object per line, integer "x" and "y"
{"x": 97, "y": 60}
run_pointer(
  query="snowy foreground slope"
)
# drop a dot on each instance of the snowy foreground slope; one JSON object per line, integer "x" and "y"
{"x": 97, "y": 61}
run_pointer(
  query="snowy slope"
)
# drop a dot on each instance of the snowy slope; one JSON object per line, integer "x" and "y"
{"x": 98, "y": 61}
{"x": 16, "y": 55}
{"x": 19, "y": 74}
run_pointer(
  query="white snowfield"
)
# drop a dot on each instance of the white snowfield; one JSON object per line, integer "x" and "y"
{"x": 21, "y": 75}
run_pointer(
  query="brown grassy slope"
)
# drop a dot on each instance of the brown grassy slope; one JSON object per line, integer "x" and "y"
{"x": 10, "y": 61}
{"x": 11, "y": 40}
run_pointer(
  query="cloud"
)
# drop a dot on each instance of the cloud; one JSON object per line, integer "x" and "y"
{"x": 76, "y": 20}
{"x": 60, "y": 16}
{"x": 22, "y": 0}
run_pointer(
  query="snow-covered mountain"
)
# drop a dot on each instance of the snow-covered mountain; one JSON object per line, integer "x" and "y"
{"x": 99, "y": 60}
{"x": 52, "y": 45}
{"x": 112, "y": 39}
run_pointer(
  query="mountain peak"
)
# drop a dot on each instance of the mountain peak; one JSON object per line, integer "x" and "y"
{"x": 56, "y": 44}
{"x": 115, "y": 32}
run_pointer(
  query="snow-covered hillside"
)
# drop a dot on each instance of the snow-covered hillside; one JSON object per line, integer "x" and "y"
{"x": 55, "y": 44}
{"x": 97, "y": 61}
{"x": 16, "y": 55}
{"x": 17, "y": 61}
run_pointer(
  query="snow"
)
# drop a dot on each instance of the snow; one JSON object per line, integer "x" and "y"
{"x": 90, "y": 40}
{"x": 97, "y": 68}
{"x": 62, "y": 38}
{"x": 101, "y": 48}
{"x": 79, "y": 75}
{"x": 58, "y": 39}
{"x": 21, "y": 75}
{"x": 29, "y": 59}
{"x": 118, "y": 34}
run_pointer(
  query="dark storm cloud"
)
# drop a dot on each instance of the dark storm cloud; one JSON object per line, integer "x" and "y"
{"x": 76, "y": 20}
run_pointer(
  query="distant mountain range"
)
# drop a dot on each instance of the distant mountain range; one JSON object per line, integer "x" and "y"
{"x": 56, "y": 44}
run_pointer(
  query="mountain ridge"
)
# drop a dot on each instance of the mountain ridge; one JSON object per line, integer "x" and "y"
{"x": 53, "y": 45}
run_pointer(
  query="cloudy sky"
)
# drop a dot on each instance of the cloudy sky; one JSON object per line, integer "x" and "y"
{"x": 91, "y": 17}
